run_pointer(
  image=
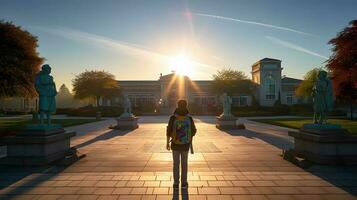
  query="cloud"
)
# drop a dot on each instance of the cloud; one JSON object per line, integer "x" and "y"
{"x": 117, "y": 45}
{"x": 295, "y": 47}
{"x": 254, "y": 23}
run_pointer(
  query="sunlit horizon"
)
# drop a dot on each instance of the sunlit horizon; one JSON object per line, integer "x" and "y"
{"x": 182, "y": 65}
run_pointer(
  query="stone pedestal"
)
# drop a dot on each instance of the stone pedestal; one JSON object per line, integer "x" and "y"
{"x": 37, "y": 145}
{"x": 226, "y": 122}
{"x": 127, "y": 123}
{"x": 325, "y": 144}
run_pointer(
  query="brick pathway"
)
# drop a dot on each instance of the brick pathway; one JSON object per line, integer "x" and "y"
{"x": 237, "y": 164}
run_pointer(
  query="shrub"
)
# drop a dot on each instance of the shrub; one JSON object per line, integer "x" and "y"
{"x": 90, "y": 111}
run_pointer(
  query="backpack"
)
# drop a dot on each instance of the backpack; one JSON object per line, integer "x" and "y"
{"x": 182, "y": 133}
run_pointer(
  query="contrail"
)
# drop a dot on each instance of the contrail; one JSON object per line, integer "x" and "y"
{"x": 295, "y": 47}
{"x": 255, "y": 23}
{"x": 121, "y": 46}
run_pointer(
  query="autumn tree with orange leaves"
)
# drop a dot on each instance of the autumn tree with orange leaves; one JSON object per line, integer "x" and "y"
{"x": 343, "y": 64}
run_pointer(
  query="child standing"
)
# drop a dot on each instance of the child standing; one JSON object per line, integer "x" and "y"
{"x": 179, "y": 133}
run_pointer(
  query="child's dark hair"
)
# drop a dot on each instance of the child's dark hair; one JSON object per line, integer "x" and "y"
{"x": 182, "y": 104}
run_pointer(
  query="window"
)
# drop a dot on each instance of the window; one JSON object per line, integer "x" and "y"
{"x": 243, "y": 100}
{"x": 269, "y": 83}
{"x": 240, "y": 101}
{"x": 235, "y": 101}
{"x": 289, "y": 99}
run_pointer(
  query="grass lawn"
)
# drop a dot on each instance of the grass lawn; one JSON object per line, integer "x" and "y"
{"x": 296, "y": 123}
{"x": 8, "y": 126}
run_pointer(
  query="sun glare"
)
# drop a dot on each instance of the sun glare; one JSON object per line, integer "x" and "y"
{"x": 182, "y": 65}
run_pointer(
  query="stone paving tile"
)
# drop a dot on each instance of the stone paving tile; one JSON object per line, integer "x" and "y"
{"x": 220, "y": 183}
{"x": 198, "y": 183}
{"x": 86, "y": 190}
{"x": 208, "y": 178}
{"x": 152, "y": 183}
{"x": 233, "y": 190}
{"x": 208, "y": 190}
{"x": 161, "y": 191}
{"x": 104, "y": 191}
{"x": 242, "y": 183}
{"x": 141, "y": 190}
{"x": 219, "y": 197}
{"x": 148, "y": 197}
{"x": 134, "y": 183}
{"x": 263, "y": 183}
{"x": 69, "y": 197}
{"x": 280, "y": 197}
{"x": 63, "y": 190}
{"x": 106, "y": 183}
{"x": 122, "y": 190}
{"x": 197, "y": 197}
{"x": 121, "y": 183}
{"x": 249, "y": 197}
{"x": 108, "y": 197}
{"x": 130, "y": 197}
{"x": 147, "y": 178}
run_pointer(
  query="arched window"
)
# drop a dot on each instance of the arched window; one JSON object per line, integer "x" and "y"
{"x": 269, "y": 83}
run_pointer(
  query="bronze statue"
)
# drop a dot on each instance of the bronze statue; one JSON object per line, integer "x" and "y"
{"x": 46, "y": 89}
{"x": 322, "y": 94}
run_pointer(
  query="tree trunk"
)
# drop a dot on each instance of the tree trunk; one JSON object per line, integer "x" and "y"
{"x": 351, "y": 109}
{"x": 98, "y": 99}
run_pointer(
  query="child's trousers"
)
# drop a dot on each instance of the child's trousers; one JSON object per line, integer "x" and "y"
{"x": 177, "y": 156}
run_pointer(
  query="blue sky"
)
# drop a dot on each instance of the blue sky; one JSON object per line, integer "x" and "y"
{"x": 134, "y": 39}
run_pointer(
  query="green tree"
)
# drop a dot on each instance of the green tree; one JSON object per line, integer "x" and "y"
{"x": 95, "y": 84}
{"x": 19, "y": 61}
{"x": 305, "y": 87}
{"x": 232, "y": 82}
{"x": 343, "y": 64}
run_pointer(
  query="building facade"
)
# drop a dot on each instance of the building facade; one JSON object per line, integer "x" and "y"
{"x": 164, "y": 92}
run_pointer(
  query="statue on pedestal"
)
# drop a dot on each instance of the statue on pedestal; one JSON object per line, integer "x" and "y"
{"x": 126, "y": 121}
{"x": 46, "y": 89}
{"x": 226, "y": 120}
{"x": 127, "y": 107}
{"x": 322, "y": 94}
{"x": 227, "y": 103}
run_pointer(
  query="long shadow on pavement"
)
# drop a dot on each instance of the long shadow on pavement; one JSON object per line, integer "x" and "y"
{"x": 106, "y": 136}
{"x": 275, "y": 140}
{"x": 18, "y": 176}
{"x": 344, "y": 177}
{"x": 19, "y": 180}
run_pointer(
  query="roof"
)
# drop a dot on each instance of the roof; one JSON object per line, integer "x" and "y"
{"x": 138, "y": 82}
{"x": 170, "y": 76}
{"x": 267, "y": 60}
{"x": 290, "y": 80}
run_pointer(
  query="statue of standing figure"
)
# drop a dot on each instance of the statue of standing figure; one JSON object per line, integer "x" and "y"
{"x": 322, "y": 94}
{"x": 127, "y": 107}
{"x": 46, "y": 89}
{"x": 227, "y": 102}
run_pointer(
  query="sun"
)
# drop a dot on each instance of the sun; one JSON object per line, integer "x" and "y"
{"x": 182, "y": 65}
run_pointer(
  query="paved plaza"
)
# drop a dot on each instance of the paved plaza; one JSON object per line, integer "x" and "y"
{"x": 239, "y": 164}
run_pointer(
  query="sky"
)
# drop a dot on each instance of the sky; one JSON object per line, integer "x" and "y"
{"x": 139, "y": 39}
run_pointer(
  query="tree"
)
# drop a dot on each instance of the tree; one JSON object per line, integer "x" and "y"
{"x": 65, "y": 98}
{"x": 305, "y": 87}
{"x": 19, "y": 61}
{"x": 232, "y": 82}
{"x": 95, "y": 84}
{"x": 343, "y": 64}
